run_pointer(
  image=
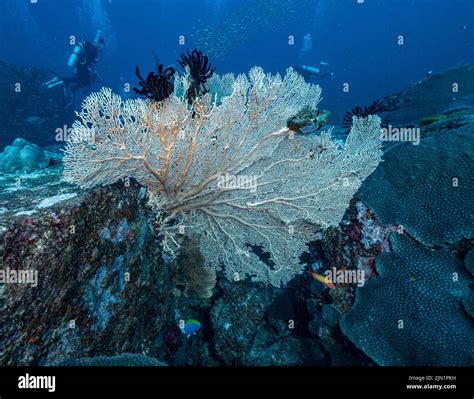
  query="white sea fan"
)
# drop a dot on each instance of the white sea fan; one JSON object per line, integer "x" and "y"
{"x": 227, "y": 171}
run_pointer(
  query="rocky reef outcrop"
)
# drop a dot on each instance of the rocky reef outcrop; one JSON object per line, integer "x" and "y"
{"x": 417, "y": 307}
{"x": 104, "y": 295}
{"x": 445, "y": 93}
{"x": 98, "y": 274}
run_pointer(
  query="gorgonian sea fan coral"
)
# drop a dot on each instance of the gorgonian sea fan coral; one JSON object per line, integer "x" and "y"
{"x": 228, "y": 172}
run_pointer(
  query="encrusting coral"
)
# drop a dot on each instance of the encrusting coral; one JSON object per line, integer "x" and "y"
{"x": 225, "y": 170}
{"x": 422, "y": 321}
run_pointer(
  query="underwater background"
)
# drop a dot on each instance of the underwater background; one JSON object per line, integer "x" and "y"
{"x": 359, "y": 41}
{"x": 107, "y": 296}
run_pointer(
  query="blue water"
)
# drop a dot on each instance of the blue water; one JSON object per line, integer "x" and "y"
{"x": 408, "y": 226}
{"x": 359, "y": 41}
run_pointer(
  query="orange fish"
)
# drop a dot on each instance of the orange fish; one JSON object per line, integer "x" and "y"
{"x": 321, "y": 279}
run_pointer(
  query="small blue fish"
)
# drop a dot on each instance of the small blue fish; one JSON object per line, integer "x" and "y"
{"x": 191, "y": 327}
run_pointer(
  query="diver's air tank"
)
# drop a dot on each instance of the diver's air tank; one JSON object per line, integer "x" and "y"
{"x": 311, "y": 70}
{"x": 74, "y": 57}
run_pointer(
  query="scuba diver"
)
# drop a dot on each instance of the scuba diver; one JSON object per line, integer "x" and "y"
{"x": 311, "y": 72}
{"x": 83, "y": 58}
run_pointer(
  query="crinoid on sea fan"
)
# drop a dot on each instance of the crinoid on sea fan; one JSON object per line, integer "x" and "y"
{"x": 199, "y": 69}
{"x": 376, "y": 108}
{"x": 157, "y": 86}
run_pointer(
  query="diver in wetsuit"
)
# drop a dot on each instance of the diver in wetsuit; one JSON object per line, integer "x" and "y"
{"x": 83, "y": 58}
{"x": 311, "y": 72}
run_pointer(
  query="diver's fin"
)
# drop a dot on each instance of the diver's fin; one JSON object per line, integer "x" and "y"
{"x": 53, "y": 82}
{"x": 56, "y": 83}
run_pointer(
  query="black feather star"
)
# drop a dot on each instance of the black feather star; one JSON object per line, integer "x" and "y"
{"x": 200, "y": 71}
{"x": 157, "y": 86}
{"x": 376, "y": 108}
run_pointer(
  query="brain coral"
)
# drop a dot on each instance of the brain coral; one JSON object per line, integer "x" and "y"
{"x": 416, "y": 286}
{"x": 426, "y": 188}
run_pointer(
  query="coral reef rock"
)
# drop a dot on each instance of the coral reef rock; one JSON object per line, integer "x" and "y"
{"x": 417, "y": 309}
{"x": 100, "y": 285}
{"x": 105, "y": 295}
{"x": 447, "y": 90}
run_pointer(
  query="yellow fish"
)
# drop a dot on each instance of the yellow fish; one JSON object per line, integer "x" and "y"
{"x": 321, "y": 279}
